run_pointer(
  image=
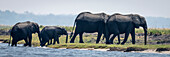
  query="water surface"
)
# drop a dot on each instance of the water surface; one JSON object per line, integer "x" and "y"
{"x": 6, "y": 51}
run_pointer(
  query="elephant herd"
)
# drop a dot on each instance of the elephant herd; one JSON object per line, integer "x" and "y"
{"x": 85, "y": 22}
{"x": 24, "y": 30}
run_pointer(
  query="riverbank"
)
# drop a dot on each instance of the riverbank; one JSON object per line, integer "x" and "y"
{"x": 144, "y": 51}
{"x": 161, "y": 49}
{"x": 158, "y": 42}
{"x": 7, "y": 51}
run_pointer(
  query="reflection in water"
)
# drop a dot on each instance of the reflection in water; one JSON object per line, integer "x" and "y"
{"x": 6, "y": 51}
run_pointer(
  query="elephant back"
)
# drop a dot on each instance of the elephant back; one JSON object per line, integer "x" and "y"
{"x": 86, "y": 16}
{"x": 119, "y": 18}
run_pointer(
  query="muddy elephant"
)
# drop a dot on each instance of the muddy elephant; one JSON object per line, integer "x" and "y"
{"x": 89, "y": 23}
{"x": 119, "y": 24}
{"x": 49, "y": 32}
{"x": 23, "y": 30}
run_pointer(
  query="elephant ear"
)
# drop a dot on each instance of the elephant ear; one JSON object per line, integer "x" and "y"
{"x": 64, "y": 31}
{"x": 32, "y": 27}
{"x": 136, "y": 20}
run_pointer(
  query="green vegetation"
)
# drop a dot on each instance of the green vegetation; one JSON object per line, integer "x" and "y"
{"x": 90, "y": 39}
{"x": 154, "y": 31}
{"x": 4, "y": 26}
{"x": 104, "y": 46}
{"x": 88, "y": 43}
{"x": 161, "y": 31}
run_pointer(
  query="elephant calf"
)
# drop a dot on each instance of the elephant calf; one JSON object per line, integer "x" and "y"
{"x": 49, "y": 32}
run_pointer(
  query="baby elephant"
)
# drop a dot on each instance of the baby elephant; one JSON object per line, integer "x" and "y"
{"x": 49, "y": 32}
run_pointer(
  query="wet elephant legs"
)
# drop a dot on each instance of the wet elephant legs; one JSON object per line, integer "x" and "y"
{"x": 30, "y": 40}
{"x": 44, "y": 42}
{"x": 14, "y": 43}
{"x": 26, "y": 41}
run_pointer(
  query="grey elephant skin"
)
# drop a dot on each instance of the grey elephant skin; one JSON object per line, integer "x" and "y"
{"x": 23, "y": 30}
{"x": 119, "y": 24}
{"x": 49, "y": 32}
{"x": 89, "y": 23}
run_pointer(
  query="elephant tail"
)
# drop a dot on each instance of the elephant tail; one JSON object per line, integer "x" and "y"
{"x": 72, "y": 30}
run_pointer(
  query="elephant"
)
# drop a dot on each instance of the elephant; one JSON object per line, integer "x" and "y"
{"x": 89, "y": 23}
{"x": 119, "y": 24}
{"x": 50, "y": 40}
{"x": 23, "y": 30}
{"x": 49, "y": 32}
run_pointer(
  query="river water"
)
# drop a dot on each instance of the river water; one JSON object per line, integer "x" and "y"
{"x": 7, "y": 51}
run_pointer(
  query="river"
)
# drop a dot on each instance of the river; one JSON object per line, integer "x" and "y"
{"x": 20, "y": 51}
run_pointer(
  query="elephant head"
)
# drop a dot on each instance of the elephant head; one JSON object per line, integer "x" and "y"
{"x": 64, "y": 31}
{"x": 34, "y": 27}
{"x": 140, "y": 21}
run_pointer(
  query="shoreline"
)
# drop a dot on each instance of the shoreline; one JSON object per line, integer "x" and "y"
{"x": 145, "y": 51}
{"x": 109, "y": 49}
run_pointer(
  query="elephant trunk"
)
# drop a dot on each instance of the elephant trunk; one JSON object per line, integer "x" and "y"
{"x": 145, "y": 33}
{"x": 106, "y": 34}
{"x": 66, "y": 38}
{"x": 39, "y": 36}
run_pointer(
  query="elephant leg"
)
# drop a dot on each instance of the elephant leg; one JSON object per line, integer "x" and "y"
{"x": 125, "y": 39}
{"x": 118, "y": 39}
{"x": 30, "y": 40}
{"x": 44, "y": 42}
{"x": 112, "y": 38}
{"x": 14, "y": 43}
{"x": 56, "y": 38}
{"x": 50, "y": 42}
{"x": 74, "y": 36}
{"x": 26, "y": 41}
{"x": 54, "y": 41}
{"x": 133, "y": 36}
{"x": 81, "y": 38}
{"x": 98, "y": 37}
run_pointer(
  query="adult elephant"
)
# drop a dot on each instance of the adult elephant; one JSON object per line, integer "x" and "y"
{"x": 89, "y": 23}
{"x": 119, "y": 24}
{"x": 49, "y": 32}
{"x": 23, "y": 30}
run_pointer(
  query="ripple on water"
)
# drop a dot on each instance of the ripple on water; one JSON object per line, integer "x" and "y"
{"x": 7, "y": 51}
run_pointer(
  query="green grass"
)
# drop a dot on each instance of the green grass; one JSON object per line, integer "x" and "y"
{"x": 140, "y": 30}
{"x": 90, "y": 40}
{"x": 87, "y": 44}
{"x": 154, "y": 31}
{"x": 4, "y": 26}
{"x": 104, "y": 46}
